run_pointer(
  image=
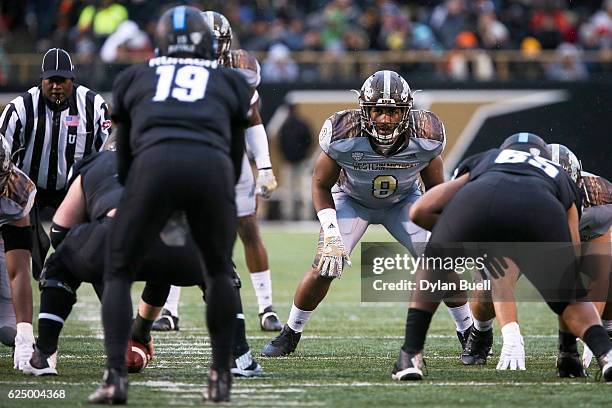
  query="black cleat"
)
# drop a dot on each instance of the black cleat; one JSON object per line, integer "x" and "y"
{"x": 477, "y": 347}
{"x": 283, "y": 344}
{"x": 114, "y": 388}
{"x": 245, "y": 366}
{"x": 41, "y": 363}
{"x": 569, "y": 364}
{"x": 408, "y": 367}
{"x": 219, "y": 386}
{"x": 605, "y": 364}
{"x": 166, "y": 322}
{"x": 463, "y": 336}
{"x": 268, "y": 320}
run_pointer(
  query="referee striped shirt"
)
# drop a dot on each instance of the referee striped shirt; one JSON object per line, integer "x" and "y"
{"x": 45, "y": 143}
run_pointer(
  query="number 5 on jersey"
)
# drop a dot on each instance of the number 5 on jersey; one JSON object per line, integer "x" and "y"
{"x": 384, "y": 186}
{"x": 189, "y": 84}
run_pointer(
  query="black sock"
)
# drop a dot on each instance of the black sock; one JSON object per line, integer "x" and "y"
{"x": 141, "y": 329}
{"x": 116, "y": 318}
{"x": 241, "y": 345}
{"x": 417, "y": 324}
{"x": 56, "y": 303}
{"x": 567, "y": 342}
{"x": 597, "y": 339}
{"x": 221, "y": 318}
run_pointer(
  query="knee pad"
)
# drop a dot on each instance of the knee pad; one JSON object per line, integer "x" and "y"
{"x": 57, "y": 235}
{"x": 17, "y": 237}
{"x": 51, "y": 283}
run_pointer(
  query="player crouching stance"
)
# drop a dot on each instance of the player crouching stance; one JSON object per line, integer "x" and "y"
{"x": 367, "y": 174}
{"x": 483, "y": 205}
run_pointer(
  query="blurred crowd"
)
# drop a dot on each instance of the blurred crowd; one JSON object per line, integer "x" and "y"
{"x": 117, "y": 30}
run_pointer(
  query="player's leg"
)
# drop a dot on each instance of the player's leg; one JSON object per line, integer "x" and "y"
{"x": 352, "y": 223}
{"x": 414, "y": 238}
{"x": 169, "y": 319}
{"x": 255, "y": 252}
{"x": 7, "y": 312}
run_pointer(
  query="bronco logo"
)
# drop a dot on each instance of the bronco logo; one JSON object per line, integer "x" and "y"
{"x": 357, "y": 155}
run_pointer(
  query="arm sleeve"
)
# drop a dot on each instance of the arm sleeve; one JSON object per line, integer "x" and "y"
{"x": 121, "y": 118}
{"x": 102, "y": 123}
{"x": 10, "y": 127}
{"x": 325, "y": 136}
{"x": 257, "y": 142}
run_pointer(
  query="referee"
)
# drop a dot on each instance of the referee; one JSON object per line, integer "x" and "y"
{"x": 50, "y": 127}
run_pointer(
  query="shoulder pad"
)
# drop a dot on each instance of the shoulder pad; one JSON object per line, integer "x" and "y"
{"x": 597, "y": 190}
{"x": 426, "y": 125}
{"x": 247, "y": 64}
{"x": 344, "y": 124}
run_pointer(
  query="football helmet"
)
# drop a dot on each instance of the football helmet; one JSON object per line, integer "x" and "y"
{"x": 566, "y": 159}
{"x": 527, "y": 142}
{"x": 181, "y": 31}
{"x": 385, "y": 89}
{"x": 222, "y": 30}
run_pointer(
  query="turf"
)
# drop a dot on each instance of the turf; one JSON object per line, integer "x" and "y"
{"x": 344, "y": 358}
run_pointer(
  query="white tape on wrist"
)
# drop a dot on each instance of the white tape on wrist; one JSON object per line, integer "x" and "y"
{"x": 329, "y": 222}
{"x": 257, "y": 142}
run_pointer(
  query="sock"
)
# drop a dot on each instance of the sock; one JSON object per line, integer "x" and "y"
{"x": 262, "y": 283}
{"x": 462, "y": 317}
{"x": 173, "y": 300}
{"x": 116, "y": 319}
{"x": 567, "y": 342}
{"x": 221, "y": 318}
{"x": 55, "y": 307}
{"x": 241, "y": 344}
{"x": 48, "y": 335}
{"x": 417, "y": 324}
{"x": 298, "y": 318}
{"x": 141, "y": 329}
{"x": 483, "y": 325}
{"x": 607, "y": 324}
{"x": 597, "y": 339}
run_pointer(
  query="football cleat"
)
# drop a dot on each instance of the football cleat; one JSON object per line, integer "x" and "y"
{"x": 24, "y": 347}
{"x": 219, "y": 386}
{"x": 41, "y": 363}
{"x": 605, "y": 364}
{"x": 114, "y": 388}
{"x": 166, "y": 322}
{"x": 408, "y": 367}
{"x": 268, "y": 320}
{"x": 283, "y": 344}
{"x": 569, "y": 365}
{"x": 463, "y": 336}
{"x": 245, "y": 366}
{"x": 477, "y": 347}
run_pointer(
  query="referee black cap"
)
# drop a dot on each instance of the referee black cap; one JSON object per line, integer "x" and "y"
{"x": 57, "y": 63}
{"x": 527, "y": 142}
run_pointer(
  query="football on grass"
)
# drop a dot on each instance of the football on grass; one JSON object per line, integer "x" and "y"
{"x": 136, "y": 357}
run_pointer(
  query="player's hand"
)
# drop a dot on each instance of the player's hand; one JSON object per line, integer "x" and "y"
{"x": 512, "y": 355}
{"x": 333, "y": 257}
{"x": 266, "y": 183}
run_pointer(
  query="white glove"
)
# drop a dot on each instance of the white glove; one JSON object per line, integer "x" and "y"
{"x": 587, "y": 356}
{"x": 266, "y": 183}
{"x": 334, "y": 255}
{"x": 512, "y": 355}
{"x": 24, "y": 346}
{"x": 333, "y": 258}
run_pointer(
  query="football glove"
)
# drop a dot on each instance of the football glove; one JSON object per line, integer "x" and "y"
{"x": 266, "y": 183}
{"x": 333, "y": 257}
{"x": 512, "y": 355}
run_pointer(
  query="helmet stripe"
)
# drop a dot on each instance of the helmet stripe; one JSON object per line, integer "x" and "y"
{"x": 210, "y": 19}
{"x": 178, "y": 18}
{"x": 387, "y": 85}
{"x": 523, "y": 137}
{"x": 555, "y": 152}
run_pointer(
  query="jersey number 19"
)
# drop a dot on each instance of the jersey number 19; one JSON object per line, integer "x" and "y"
{"x": 188, "y": 85}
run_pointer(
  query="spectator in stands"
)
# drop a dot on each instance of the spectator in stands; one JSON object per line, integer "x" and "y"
{"x": 569, "y": 66}
{"x": 278, "y": 66}
{"x": 601, "y": 24}
{"x": 493, "y": 32}
{"x": 101, "y": 19}
{"x": 473, "y": 65}
{"x": 128, "y": 40}
{"x": 448, "y": 20}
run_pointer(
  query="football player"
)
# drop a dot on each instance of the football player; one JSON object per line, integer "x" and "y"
{"x": 79, "y": 230}
{"x": 180, "y": 119}
{"x": 483, "y": 204}
{"x": 246, "y": 189}
{"x": 17, "y": 194}
{"x": 367, "y": 174}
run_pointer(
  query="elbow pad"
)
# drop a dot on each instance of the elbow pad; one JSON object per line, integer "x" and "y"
{"x": 58, "y": 233}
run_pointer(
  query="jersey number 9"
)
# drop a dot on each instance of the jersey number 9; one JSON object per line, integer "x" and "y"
{"x": 384, "y": 186}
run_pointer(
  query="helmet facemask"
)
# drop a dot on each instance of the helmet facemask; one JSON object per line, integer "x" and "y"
{"x": 222, "y": 31}
{"x": 385, "y": 89}
{"x": 568, "y": 160}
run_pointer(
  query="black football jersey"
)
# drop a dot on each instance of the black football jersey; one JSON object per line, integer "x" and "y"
{"x": 181, "y": 98}
{"x": 99, "y": 182}
{"x": 522, "y": 164}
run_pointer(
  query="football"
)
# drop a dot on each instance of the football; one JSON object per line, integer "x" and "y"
{"x": 136, "y": 357}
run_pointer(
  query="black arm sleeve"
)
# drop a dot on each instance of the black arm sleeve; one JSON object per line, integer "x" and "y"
{"x": 124, "y": 151}
{"x": 122, "y": 122}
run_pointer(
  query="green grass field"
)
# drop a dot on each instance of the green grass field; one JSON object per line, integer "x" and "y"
{"x": 344, "y": 358}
